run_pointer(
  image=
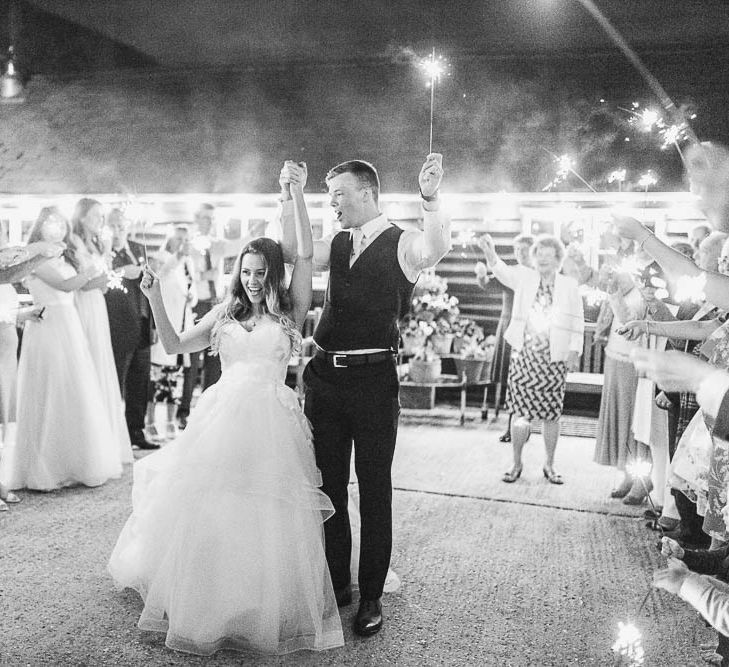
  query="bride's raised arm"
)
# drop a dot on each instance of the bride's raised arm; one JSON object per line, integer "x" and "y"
{"x": 300, "y": 287}
{"x": 192, "y": 340}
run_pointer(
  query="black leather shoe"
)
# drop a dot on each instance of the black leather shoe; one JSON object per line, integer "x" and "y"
{"x": 368, "y": 620}
{"x": 144, "y": 444}
{"x": 182, "y": 423}
{"x": 343, "y": 596}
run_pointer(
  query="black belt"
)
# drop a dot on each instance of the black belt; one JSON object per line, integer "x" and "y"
{"x": 347, "y": 360}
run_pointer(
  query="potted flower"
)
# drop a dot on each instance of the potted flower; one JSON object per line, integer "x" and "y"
{"x": 475, "y": 353}
{"x": 425, "y": 365}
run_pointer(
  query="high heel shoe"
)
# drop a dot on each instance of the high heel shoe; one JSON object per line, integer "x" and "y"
{"x": 638, "y": 492}
{"x": 513, "y": 474}
{"x": 552, "y": 477}
{"x": 624, "y": 488}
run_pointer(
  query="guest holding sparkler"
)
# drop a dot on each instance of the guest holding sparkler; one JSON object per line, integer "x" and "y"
{"x": 500, "y": 365}
{"x": 546, "y": 337}
{"x": 130, "y": 327}
{"x": 64, "y": 435}
{"x": 615, "y": 444}
{"x": 86, "y": 223}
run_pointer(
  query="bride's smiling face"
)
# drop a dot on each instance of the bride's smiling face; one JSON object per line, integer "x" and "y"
{"x": 253, "y": 277}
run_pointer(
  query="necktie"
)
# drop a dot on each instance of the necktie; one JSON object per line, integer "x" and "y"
{"x": 211, "y": 283}
{"x": 356, "y": 236}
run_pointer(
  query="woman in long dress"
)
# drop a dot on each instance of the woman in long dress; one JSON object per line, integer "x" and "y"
{"x": 86, "y": 222}
{"x": 63, "y": 435}
{"x": 225, "y": 542}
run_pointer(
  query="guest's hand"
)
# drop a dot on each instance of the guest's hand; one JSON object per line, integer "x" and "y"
{"x": 481, "y": 270}
{"x": 663, "y": 402}
{"x": 30, "y": 314}
{"x": 47, "y": 249}
{"x": 672, "y": 577}
{"x": 486, "y": 243}
{"x": 672, "y": 371}
{"x": 150, "y": 282}
{"x": 572, "y": 363}
{"x": 630, "y": 228}
{"x": 671, "y": 549}
{"x": 431, "y": 175}
{"x": 632, "y": 330}
{"x": 131, "y": 271}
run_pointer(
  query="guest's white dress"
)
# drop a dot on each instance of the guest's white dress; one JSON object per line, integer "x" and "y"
{"x": 63, "y": 436}
{"x": 225, "y": 542}
{"x": 95, "y": 320}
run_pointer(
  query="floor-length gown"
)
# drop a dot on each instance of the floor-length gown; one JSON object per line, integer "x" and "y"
{"x": 63, "y": 436}
{"x": 95, "y": 320}
{"x": 225, "y": 541}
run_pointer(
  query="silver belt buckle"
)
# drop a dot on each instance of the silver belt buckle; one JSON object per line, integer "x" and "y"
{"x": 335, "y": 360}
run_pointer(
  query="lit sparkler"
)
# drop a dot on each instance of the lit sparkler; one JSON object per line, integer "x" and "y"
{"x": 650, "y": 79}
{"x": 434, "y": 68}
{"x": 464, "y": 239}
{"x": 628, "y": 647}
{"x": 114, "y": 280}
{"x": 690, "y": 289}
{"x": 565, "y": 167}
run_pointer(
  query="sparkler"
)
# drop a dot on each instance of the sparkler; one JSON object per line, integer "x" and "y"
{"x": 434, "y": 68}
{"x": 651, "y": 80}
{"x": 565, "y": 167}
{"x": 690, "y": 289}
{"x": 628, "y": 647}
{"x": 114, "y": 280}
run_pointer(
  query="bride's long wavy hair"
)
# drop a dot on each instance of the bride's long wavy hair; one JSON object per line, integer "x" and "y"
{"x": 237, "y": 307}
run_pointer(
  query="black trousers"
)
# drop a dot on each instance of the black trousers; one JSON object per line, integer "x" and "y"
{"x": 357, "y": 406}
{"x": 210, "y": 366}
{"x": 132, "y": 369}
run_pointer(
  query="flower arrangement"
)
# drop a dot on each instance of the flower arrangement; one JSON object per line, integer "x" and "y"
{"x": 427, "y": 331}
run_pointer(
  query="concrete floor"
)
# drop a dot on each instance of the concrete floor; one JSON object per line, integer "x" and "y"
{"x": 492, "y": 574}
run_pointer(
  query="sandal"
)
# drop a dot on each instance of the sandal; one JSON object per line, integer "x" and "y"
{"x": 3, "y": 506}
{"x": 505, "y": 437}
{"x": 513, "y": 474}
{"x": 11, "y": 498}
{"x": 553, "y": 477}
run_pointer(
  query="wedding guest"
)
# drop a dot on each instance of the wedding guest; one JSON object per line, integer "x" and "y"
{"x": 352, "y": 382}
{"x": 130, "y": 327}
{"x": 697, "y": 234}
{"x": 546, "y": 337}
{"x": 225, "y": 540}
{"x": 64, "y": 436}
{"x": 16, "y": 262}
{"x": 614, "y": 444}
{"x": 521, "y": 244}
{"x": 86, "y": 223}
{"x": 177, "y": 282}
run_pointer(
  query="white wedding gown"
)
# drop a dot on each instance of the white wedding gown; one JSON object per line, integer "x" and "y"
{"x": 225, "y": 542}
{"x": 63, "y": 434}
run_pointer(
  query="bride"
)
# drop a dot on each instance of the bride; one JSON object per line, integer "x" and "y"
{"x": 225, "y": 541}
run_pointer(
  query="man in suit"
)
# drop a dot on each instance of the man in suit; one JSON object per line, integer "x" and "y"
{"x": 130, "y": 322}
{"x": 352, "y": 382}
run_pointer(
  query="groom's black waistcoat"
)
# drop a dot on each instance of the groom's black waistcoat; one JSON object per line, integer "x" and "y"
{"x": 363, "y": 303}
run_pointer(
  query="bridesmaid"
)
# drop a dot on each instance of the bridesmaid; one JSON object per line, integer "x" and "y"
{"x": 86, "y": 222}
{"x": 63, "y": 434}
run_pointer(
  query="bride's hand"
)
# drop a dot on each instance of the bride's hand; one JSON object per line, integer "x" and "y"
{"x": 150, "y": 282}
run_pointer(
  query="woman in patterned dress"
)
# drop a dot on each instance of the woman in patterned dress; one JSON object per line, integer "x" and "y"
{"x": 546, "y": 337}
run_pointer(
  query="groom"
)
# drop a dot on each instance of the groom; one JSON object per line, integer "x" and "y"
{"x": 352, "y": 383}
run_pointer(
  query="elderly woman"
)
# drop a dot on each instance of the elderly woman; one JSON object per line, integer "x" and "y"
{"x": 500, "y": 365}
{"x": 546, "y": 338}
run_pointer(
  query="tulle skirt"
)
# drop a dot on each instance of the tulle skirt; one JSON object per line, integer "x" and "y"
{"x": 95, "y": 320}
{"x": 63, "y": 434}
{"x": 225, "y": 542}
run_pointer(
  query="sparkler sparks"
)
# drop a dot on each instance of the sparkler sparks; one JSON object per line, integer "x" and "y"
{"x": 114, "y": 280}
{"x": 629, "y": 645}
{"x": 434, "y": 67}
{"x": 565, "y": 167}
{"x": 690, "y": 289}
{"x": 639, "y": 469}
{"x": 647, "y": 179}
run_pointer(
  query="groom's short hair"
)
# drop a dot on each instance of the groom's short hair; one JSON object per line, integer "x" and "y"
{"x": 363, "y": 171}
